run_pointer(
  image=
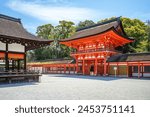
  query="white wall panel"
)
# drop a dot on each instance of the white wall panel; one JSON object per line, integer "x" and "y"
{"x": 16, "y": 47}
{"x": 2, "y": 46}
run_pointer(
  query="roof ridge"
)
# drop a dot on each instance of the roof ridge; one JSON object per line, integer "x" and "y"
{"x": 137, "y": 53}
{"x": 101, "y": 23}
{"x": 10, "y": 18}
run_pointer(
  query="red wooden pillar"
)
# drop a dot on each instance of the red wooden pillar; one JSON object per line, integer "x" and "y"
{"x": 139, "y": 70}
{"x": 60, "y": 69}
{"x": 95, "y": 70}
{"x": 83, "y": 66}
{"x": 117, "y": 69}
{"x": 51, "y": 69}
{"x": 127, "y": 70}
{"x": 142, "y": 70}
{"x": 105, "y": 67}
{"x": 76, "y": 65}
{"x": 74, "y": 68}
{"x": 69, "y": 68}
{"x": 65, "y": 69}
{"x": 108, "y": 69}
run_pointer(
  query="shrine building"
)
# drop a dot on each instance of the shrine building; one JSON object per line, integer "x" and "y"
{"x": 15, "y": 41}
{"x": 95, "y": 52}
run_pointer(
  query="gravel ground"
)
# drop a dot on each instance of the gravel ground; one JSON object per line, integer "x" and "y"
{"x": 69, "y": 87}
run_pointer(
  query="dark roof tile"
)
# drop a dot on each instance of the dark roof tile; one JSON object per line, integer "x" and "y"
{"x": 130, "y": 57}
{"x": 97, "y": 29}
{"x": 12, "y": 28}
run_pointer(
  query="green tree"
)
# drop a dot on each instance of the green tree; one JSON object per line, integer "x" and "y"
{"x": 83, "y": 24}
{"x": 45, "y": 31}
{"x": 106, "y": 19}
{"x": 136, "y": 29}
{"x": 148, "y": 35}
{"x": 142, "y": 46}
{"x": 64, "y": 30}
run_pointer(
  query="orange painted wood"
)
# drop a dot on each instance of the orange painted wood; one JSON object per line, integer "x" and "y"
{"x": 139, "y": 70}
{"x": 2, "y": 55}
{"x": 95, "y": 70}
{"x": 83, "y": 67}
{"x": 109, "y": 36}
{"x": 15, "y": 56}
{"x": 105, "y": 67}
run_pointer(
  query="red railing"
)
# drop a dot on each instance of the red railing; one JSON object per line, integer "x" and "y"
{"x": 94, "y": 50}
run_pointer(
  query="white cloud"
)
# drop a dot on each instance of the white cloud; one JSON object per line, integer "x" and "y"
{"x": 52, "y": 11}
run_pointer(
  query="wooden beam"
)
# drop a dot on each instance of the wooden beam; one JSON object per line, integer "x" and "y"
{"x": 6, "y": 58}
{"x": 139, "y": 70}
{"x": 105, "y": 66}
{"x": 95, "y": 70}
{"x": 25, "y": 61}
{"x": 83, "y": 66}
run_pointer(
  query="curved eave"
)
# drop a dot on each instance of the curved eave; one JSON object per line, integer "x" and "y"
{"x": 124, "y": 36}
{"x": 71, "y": 40}
{"x": 112, "y": 28}
{"x": 34, "y": 43}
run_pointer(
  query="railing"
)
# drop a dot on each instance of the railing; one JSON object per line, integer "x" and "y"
{"x": 10, "y": 72}
{"x": 19, "y": 76}
{"x": 94, "y": 50}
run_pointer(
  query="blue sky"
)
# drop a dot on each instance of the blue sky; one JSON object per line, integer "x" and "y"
{"x": 34, "y": 13}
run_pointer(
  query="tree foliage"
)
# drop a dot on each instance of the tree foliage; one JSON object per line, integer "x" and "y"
{"x": 106, "y": 19}
{"x": 83, "y": 24}
{"x": 45, "y": 31}
{"x": 137, "y": 30}
{"x": 64, "y": 30}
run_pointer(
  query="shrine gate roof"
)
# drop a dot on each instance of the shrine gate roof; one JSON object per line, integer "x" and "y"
{"x": 110, "y": 31}
{"x": 99, "y": 28}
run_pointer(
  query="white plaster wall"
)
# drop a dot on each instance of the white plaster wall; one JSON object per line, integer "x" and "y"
{"x": 16, "y": 47}
{"x": 2, "y": 46}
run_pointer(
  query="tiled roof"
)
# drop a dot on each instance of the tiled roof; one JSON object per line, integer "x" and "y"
{"x": 99, "y": 28}
{"x": 12, "y": 28}
{"x": 53, "y": 61}
{"x": 130, "y": 57}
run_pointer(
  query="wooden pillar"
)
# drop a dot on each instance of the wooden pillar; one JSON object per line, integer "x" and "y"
{"x": 18, "y": 64}
{"x": 76, "y": 65}
{"x": 69, "y": 68}
{"x": 25, "y": 61}
{"x": 56, "y": 69}
{"x": 95, "y": 70}
{"x": 6, "y": 59}
{"x": 83, "y": 66}
{"x": 52, "y": 69}
{"x": 65, "y": 69}
{"x": 139, "y": 70}
{"x": 13, "y": 65}
{"x": 108, "y": 69}
{"x": 117, "y": 69}
{"x": 142, "y": 70}
{"x": 74, "y": 68}
{"x": 132, "y": 68}
{"x": 127, "y": 70}
{"x": 105, "y": 67}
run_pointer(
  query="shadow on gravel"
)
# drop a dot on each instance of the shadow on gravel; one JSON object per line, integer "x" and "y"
{"x": 84, "y": 77}
{"x": 95, "y": 77}
{"x": 17, "y": 84}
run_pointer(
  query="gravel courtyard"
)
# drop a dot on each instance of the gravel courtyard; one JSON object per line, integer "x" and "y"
{"x": 59, "y": 86}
